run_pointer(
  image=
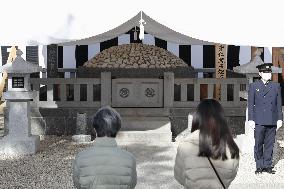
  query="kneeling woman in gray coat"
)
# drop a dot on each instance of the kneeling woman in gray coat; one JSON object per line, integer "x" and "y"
{"x": 105, "y": 166}
{"x": 209, "y": 157}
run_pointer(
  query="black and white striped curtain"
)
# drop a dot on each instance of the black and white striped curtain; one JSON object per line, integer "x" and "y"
{"x": 198, "y": 56}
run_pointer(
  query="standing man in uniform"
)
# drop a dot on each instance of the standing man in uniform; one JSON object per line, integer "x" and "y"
{"x": 265, "y": 117}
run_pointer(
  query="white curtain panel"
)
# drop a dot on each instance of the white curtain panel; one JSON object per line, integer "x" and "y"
{"x": 93, "y": 50}
{"x": 245, "y": 54}
{"x": 148, "y": 39}
{"x": 69, "y": 60}
{"x": 124, "y": 39}
{"x": 268, "y": 54}
{"x": 173, "y": 48}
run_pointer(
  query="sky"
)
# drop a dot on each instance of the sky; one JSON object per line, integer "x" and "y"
{"x": 238, "y": 22}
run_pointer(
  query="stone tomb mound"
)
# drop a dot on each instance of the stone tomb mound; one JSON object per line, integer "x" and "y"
{"x": 135, "y": 60}
{"x": 135, "y": 55}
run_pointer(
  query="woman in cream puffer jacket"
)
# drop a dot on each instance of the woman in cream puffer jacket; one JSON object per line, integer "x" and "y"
{"x": 210, "y": 137}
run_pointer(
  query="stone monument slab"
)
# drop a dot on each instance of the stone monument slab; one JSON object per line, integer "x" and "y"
{"x": 137, "y": 92}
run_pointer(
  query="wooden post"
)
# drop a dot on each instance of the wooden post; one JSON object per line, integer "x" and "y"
{"x": 281, "y": 61}
{"x": 275, "y": 61}
{"x": 220, "y": 65}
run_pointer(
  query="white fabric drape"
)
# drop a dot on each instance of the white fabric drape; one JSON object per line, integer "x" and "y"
{"x": 152, "y": 27}
{"x": 242, "y": 22}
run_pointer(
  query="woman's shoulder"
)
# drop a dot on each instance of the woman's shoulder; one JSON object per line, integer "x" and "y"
{"x": 189, "y": 144}
{"x": 188, "y": 136}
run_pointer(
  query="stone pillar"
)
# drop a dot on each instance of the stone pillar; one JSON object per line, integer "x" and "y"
{"x": 52, "y": 63}
{"x": 81, "y": 129}
{"x": 105, "y": 88}
{"x": 168, "y": 89}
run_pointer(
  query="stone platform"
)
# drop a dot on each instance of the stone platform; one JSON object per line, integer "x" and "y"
{"x": 145, "y": 129}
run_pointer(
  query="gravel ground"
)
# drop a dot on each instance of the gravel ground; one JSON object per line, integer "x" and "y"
{"x": 51, "y": 166}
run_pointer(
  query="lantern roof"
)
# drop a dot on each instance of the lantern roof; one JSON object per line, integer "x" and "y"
{"x": 19, "y": 65}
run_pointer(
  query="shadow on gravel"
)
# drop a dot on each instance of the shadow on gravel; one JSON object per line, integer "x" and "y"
{"x": 278, "y": 150}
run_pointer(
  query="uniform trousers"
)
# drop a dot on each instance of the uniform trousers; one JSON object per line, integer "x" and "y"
{"x": 264, "y": 136}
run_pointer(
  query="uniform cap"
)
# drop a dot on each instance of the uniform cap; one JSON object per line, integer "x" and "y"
{"x": 266, "y": 67}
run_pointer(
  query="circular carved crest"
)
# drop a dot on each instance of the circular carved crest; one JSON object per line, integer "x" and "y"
{"x": 124, "y": 92}
{"x": 150, "y": 92}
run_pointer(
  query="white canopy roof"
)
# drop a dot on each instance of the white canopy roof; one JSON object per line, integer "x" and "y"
{"x": 152, "y": 27}
{"x": 238, "y": 22}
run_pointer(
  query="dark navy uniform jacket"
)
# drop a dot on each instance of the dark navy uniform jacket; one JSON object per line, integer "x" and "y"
{"x": 264, "y": 103}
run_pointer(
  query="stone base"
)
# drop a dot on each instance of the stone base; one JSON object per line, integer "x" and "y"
{"x": 78, "y": 139}
{"x": 145, "y": 129}
{"x": 144, "y": 136}
{"x": 19, "y": 146}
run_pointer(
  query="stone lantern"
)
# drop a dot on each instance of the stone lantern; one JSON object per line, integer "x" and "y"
{"x": 18, "y": 96}
{"x": 250, "y": 70}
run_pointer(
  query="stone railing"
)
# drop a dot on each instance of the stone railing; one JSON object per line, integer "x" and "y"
{"x": 189, "y": 91}
{"x": 96, "y": 92}
{"x": 61, "y": 92}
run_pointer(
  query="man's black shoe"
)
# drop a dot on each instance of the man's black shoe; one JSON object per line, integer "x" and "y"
{"x": 268, "y": 170}
{"x": 258, "y": 170}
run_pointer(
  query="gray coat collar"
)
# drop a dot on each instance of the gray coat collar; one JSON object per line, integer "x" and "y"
{"x": 105, "y": 142}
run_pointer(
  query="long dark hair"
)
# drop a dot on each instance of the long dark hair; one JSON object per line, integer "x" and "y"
{"x": 214, "y": 132}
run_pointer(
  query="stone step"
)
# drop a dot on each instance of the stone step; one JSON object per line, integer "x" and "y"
{"x": 146, "y": 124}
{"x": 144, "y": 112}
{"x": 143, "y": 136}
{"x": 145, "y": 129}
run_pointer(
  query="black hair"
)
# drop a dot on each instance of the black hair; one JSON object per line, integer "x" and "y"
{"x": 107, "y": 122}
{"x": 214, "y": 132}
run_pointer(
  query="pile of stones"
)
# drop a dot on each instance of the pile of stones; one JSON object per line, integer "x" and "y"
{"x": 135, "y": 55}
